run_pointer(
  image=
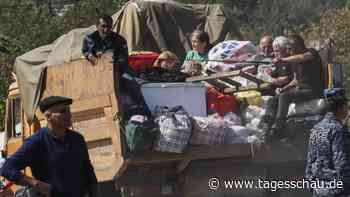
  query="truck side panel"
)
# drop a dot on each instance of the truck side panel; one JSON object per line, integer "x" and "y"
{"x": 92, "y": 89}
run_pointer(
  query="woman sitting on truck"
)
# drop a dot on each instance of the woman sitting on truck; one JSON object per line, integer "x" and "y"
{"x": 200, "y": 48}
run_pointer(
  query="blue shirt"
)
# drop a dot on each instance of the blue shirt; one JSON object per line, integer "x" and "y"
{"x": 328, "y": 156}
{"x": 65, "y": 165}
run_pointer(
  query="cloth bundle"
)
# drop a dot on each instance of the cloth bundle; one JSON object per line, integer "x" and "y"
{"x": 175, "y": 129}
{"x": 216, "y": 130}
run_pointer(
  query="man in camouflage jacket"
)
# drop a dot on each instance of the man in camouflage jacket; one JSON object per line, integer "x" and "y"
{"x": 328, "y": 156}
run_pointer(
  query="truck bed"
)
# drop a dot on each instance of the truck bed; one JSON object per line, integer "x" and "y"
{"x": 95, "y": 110}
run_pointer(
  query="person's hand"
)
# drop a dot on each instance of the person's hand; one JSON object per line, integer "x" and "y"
{"x": 7, "y": 193}
{"x": 278, "y": 91}
{"x": 92, "y": 59}
{"x": 277, "y": 61}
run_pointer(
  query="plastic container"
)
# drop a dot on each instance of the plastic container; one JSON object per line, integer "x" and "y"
{"x": 221, "y": 103}
{"x": 189, "y": 95}
{"x": 252, "y": 97}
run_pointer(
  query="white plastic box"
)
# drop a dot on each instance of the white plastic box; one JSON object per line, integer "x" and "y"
{"x": 192, "y": 96}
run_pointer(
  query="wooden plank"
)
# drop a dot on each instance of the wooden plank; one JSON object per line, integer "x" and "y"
{"x": 251, "y": 78}
{"x": 231, "y": 82}
{"x": 115, "y": 131}
{"x": 80, "y": 79}
{"x": 193, "y": 153}
{"x": 247, "y": 88}
{"x": 220, "y": 151}
{"x": 119, "y": 166}
{"x": 94, "y": 134}
{"x": 214, "y": 76}
{"x": 90, "y": 103}
{"x": 106, "y": 163}
{"x": 217, "y": 84}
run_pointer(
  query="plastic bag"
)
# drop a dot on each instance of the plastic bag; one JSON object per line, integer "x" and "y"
{"x": 237, "y": 135}
{"x": 231, "y": 50}
{"x": 140, "y": 133}
{"x": 175, "y": 129}
{"x": 209, "y": 130}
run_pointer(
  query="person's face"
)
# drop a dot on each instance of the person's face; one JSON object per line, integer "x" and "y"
{"x": 280, "y": 52}
{"x": 197, "y": 45}
{"x": 168, "y": 64}
{"x": 266, "y": 47}
{"x": 104, "y": 28}
{"x": 59, "y": 116}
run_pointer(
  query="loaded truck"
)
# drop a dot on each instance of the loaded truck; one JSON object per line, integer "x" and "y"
{"x": 95, "y": 112}
{"x": 59, "y": 69}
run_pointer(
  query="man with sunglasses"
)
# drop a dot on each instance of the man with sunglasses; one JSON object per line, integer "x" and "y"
{"x": 57, "y": 156}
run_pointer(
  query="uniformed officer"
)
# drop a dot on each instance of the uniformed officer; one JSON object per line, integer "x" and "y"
{"x": 328, "y": 156}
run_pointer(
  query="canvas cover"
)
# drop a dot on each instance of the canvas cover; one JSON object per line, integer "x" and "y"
{"x": 146, "y": 25}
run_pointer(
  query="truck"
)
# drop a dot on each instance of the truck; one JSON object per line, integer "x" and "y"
{"x": 59, "y": 69}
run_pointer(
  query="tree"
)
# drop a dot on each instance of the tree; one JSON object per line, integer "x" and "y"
{"x": 334, "y": 24}
{"x": 28, "y": 24}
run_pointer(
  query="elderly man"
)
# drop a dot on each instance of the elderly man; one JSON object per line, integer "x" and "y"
{"x": 282, "y": 75}
{"x": 308, "y": 82}
{"x": 328, "y": 157}
{"x": 58, "y": 157}
{"x": 265, "y": 47}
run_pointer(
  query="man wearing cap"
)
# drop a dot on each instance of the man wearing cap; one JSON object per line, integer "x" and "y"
{"x": 328, "y": 157}
{"x": 58, "y": 157}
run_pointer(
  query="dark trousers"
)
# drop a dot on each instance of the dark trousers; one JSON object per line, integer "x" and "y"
{"x": 131, "y": 86}
{"x": 291, "y": 96}
{"x": 271, "y": 110}
{"x": 277, "y": 106}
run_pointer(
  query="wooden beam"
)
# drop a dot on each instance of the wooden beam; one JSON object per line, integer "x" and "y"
{"x": 214, "y": 76}
{"x": 193, "y": 152}
{"x": 217, "y": 84}
{"x": 247, "y": 88}
{"x": 91, "y": 103}
{"x": 232, "y": 82}
{"x": 95, "y": 134}
{"x": 251, "y": 78}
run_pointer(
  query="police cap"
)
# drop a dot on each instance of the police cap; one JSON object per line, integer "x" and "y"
{"x": 335, "y": 95}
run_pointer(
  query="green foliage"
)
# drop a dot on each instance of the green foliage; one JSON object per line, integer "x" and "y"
{"x": 334, "y": 24}
{"x": 276, "y": 17}
{"x": 26, "y": 25}
{"x": 85, "y": 13}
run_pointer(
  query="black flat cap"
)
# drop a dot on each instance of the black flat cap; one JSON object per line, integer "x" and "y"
{"x": 50, "y": 101}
